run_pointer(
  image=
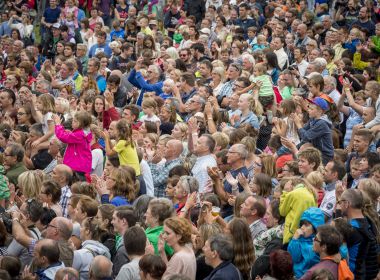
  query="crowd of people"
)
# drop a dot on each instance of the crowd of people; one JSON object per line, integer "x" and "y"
{"x": 195, "y": 139}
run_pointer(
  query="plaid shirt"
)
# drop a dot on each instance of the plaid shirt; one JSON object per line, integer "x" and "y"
{"x": 226, "y": 90}
{"x": 160, "y": 173}
{"x": 65, "y": 198}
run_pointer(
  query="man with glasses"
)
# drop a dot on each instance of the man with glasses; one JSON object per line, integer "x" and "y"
{"x": 185, "y": 56}
{"x": 233, "y": 72}
{"x": 93, "y": 67}
{"x": 81, "y": 55}
{"x": 362, "y": 244}
{"x": 194, "y": 105}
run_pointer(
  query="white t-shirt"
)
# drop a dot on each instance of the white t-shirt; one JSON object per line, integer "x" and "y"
{"x": 97, "y": 162}
{"x": 46, "y": 118}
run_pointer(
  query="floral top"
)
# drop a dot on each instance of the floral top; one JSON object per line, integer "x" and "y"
{"x": 261, "y": 241}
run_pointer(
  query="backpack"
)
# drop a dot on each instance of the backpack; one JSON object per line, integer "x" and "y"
{"x": 344, "y": 272}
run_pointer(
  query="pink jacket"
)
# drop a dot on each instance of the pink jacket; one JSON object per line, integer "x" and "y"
{"x": 78, "y": 152}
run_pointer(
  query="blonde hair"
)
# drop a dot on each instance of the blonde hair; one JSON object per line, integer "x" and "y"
{"x": 220, "y": 71}
{"x": 30, "y": 183}
{"x": 217, "y": 63}
{"x": 149, "y": 103}
{"x": 371, "y": 188}
{"x": 48, "y": 103}
{"x": 221, "y": 139}
{"x": 315, "y": 179}
{"x": 172, "y": 52}
{"x": 183, "y": 127}
{"x": 65, "y": 104}
{"x": 153, "y": 137}
{"x": 255, "y": 106}
{"x": 261, "y": 67}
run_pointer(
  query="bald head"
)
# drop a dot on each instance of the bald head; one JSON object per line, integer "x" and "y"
{"x": 63, "y": 174}
{"x": 174, "y": 149}
{"x": 301, "y": 30}
{"x": 117, "y": 73}
{"x": 65, "y": 227}
{"x": 101, "y": 267}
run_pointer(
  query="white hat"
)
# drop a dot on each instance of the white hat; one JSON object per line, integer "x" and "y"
{"x": 205, "y": 31}
{"x": 56, "y": 25}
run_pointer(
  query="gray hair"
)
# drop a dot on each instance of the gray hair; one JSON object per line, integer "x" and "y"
{"x": 248, "y": 57}
{"x": 320, "y": 62}
{"x": 242, "y": 150}
{"x": 189, "y": 184}
{"x": 46, "y": 85}
{"x": 222, "y": 244}
{"x": 16, "y": 150}
{"x": 331, "y": 80}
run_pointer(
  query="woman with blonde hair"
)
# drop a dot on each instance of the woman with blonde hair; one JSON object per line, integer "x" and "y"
{"x": 250, "y": 110}
{"x": 315, "y": 179}
{"x": 30, "y": 183}
{"x": 218, "y": 79}
{"x": 372, "y": 189}
{"x": 88, "y": 84}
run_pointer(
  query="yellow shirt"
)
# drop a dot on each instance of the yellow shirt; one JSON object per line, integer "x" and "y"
{"x": 127, "y": 155}
{"x": 147, "y": 31}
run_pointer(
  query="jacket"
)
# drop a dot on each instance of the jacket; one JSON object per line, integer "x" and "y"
{"x": 319, "y": 133}
{"x": 137, "y": 80}
{"x": 83, "y": 257}
{"x": 195, "y": 8}
{"x": 120, "y": 259}
{"x": 292, "y": 206}
{"x": 78, "y": 152}
{"x": 301, "y": 249}
{"x": 226, "y": 270}
{"x": 49, "y": 272}
{"x": 13, "y": 173}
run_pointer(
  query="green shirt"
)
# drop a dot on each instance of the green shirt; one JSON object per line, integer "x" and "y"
{"x": 153, "y": 234}
{"x": 286, "y": 92}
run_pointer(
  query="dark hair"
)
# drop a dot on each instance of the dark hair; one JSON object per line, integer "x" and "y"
{"x": 178, "y": 170}
{"x": 272, "y": 60}
{"x": 3, "y": 234}
{"x": 259, "y": 205}
{"x": 50, "y": 250}
{"x": 12, "y": 265}
{"x": 127, "y": 214}
{"x": 53, "y": 189}
{"x": 47, "y": 216}
{"x": 34, "y": 209}
{"x": 281, "y": 265}
{"x": 275, "y": 207}
{"x": 114, "y": 160}
{"x": 223, "y": 245}
{"x": 331, "y": 238}
{"x": 4, "y": 275}
{"x": 264, "y": 182}
{"x": 198, "y": 47}
{"x": 11, "y": 94}
{"x": 189, "y": 78}
{"x": 135, "y": 241}
{"x": 152, "y": 265}
{"x": 339, "y": 167}
{"x": 114, "y": 79}
{"x": 135, "y": 111}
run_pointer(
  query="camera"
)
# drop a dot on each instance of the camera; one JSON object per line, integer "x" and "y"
{"x": 7, "y": 220}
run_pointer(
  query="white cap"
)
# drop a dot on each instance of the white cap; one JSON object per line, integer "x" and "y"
{"x": 205, "y": 31}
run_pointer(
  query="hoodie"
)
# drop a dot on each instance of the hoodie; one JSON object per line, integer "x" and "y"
{"x": 83, "y": 257}
{"x": 78, "y": 152}
{"x": 319, "y": 133}
{"x": 301, "y": 249}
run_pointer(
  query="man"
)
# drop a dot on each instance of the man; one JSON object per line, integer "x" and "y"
{"x": 300, "y": 63}
{"x": 66, "y": 77}
{"x": 218, "y": 251}
{"x": 67, "y": 273}
{"x": 364, "y": 22}
{"x": 233, "y": 72}
{"x": 362, "y": 244}
{"x": 50, "y": 17}
{"x": 198, "y": 52}
{"x": 336, "y": 44}
{"x": 326, "y": 244}
{"x": 244, "y": 21}
{"x": 248, "y": 62}
{"x": 46, "y": 256}
{"x": 171, "y": 19}
{"x": 290, "y": 16}
{"x": 13, "y": 162}
{"x": 236, "y": 156}
{"x": 59, "y": 229}
{"x": 195, "y": 105}
{"x": 160, "y": 172}
{"x": 101, "y": 46}
{"x": 309, "y": 160}
{"x": 330, "y": 88}
{"x": 7, "y": 102}
{"x": 62, "y": 175}
{"x": 4, "y": 26}
{"x": 121, "y": 62}
{"x": 50, "y": 46}
{"x": 253, "y": 210}
{"x": 119, "y": 96}
{"x": 362, "y": 140}
{"x": 334, "y": 172}
{"x": 134, "y": 243}
{"x": 302, "y": 39}
{"x": 205, "y": 69}
{"x": 203, "y": 149}
{"x": 81, "y": 54}
{"x": 152, "y": 83}
{"x": 195, "y": 8}
{"x": 122, "y": 219}
{"x": 100, "y": 269}
{"x": 327, "y": 23}
{"x": 131, "y": 114}
{"x": 185, "y": 56}
{"x": 277, "y": 45}
{"x": 23, "y": 243}
{"x": 93, "y": 67}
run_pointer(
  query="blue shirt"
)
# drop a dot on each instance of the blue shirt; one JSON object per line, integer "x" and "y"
{"x": 100, "y": 48}
{"x": 52, "y": 15}
{"x": 116, "y": 34}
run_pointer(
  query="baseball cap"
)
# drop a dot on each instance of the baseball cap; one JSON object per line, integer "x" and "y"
{"x": 56, "y": 25}
{"x": 206, "y": 31}
{"x": 320, "y": 102}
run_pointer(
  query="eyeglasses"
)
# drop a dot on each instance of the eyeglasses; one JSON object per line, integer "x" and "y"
{"x": 315, "y": 239}
{"x": 340, "y": 201}
{"x": 8, "y": 155}
{"x": 20, "y": 113}
{"x": 49, "y": 225}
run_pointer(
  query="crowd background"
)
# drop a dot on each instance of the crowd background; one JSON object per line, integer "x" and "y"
{"x": 189, "y": 139}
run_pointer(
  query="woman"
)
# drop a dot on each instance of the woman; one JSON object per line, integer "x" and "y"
{"x": 120, "y": 188}
{"x": 105, "y": 115}
{"x": 22, "y": 24}
{"x": 250, "y": 108}
{"x": 236, "y": 51}
{"x": 218, "y": 79}
{"x": 105, "y": 212}
{"x": 30, "y": 184}
{"x": 24, "y": 115}
{"x": 150, "y": 44}
{"x": 50, "y": 195}
{"x": 244, "y": 252}
{"x": 272, "y": 65}
{"x": 158, "y": 211}
{"x": 177, "y": 234}
{"x": 179, "y": 132}
{"x": 91, "y": 232}
{"x": 220, "y": 28}
{"x": 199, "y": 240}
{"x": 85, "y": 31}
{"x": 121, "y": 11}
{"x": 89, "y": 86}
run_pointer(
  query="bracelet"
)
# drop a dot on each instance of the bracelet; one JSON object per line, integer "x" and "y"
{"x": 15, "y": 220}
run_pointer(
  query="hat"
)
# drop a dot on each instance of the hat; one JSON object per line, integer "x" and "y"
{"x": 205, "y": 31}
{"x": 153, "y": 22}
{"x": 320, "y": 102}
{"x": 56, "y": 25}
{"x": 312, "y": 74}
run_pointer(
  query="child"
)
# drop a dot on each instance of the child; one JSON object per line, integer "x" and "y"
{"x": 252, "y": 39}
{"x": 45, "y": 105}
{"x": 78, "y": 152}
{"x": 355, "y": 172}
{"x": 318, "y": 130}
{"x": 69, "y": 21}
{"x": 266, "y": 93}
{"x": 150, "y": 144}
{"x": 167, "y": 89}
{"x": 144, "y": 25}
{"x": 149, "y": 106}
{"x": 117, "y": 31}
{"x": 125, "y": 148}
{"x": 301, "y": 245}
{"x": 260, "y": 44}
